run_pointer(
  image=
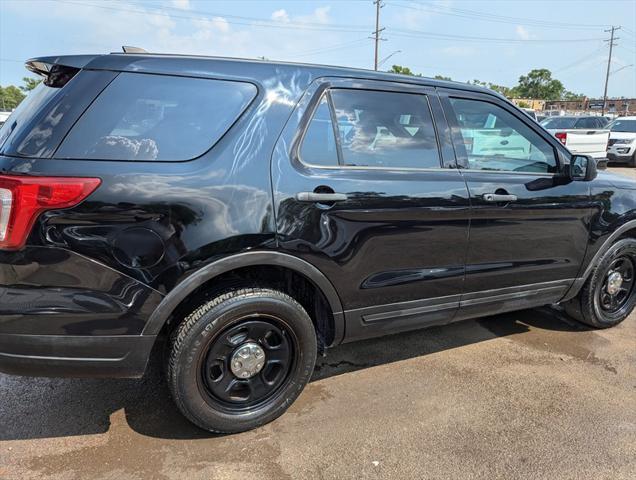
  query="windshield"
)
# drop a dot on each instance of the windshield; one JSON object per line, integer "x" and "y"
{"x": 619, "y": 125}
{"x": 25, "y": 111}
{"x": 559, "y": 122}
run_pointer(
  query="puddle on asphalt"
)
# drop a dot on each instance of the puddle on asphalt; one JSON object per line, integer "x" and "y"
{"x": 552, "y": 332}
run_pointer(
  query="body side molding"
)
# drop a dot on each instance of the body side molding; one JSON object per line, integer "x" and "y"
{"x": 247, "y": 259}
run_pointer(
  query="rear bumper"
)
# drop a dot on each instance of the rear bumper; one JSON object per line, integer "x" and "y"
{"x": 614, "y": 157}
{"x": 75, "y": 356}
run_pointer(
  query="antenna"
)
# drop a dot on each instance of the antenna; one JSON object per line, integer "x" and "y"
{"x": 128, "y": 49}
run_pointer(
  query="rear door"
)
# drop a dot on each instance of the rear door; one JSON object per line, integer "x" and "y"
{"x": 529, "y": 226}
{"x": 366, "y": 190}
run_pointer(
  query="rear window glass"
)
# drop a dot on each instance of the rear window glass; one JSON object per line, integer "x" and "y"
{"x": 156, "y": 117}
{"x": 559, "y": 122}
{"x": 26, "y": 110}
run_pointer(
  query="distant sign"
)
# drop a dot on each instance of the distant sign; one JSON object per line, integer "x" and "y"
{"x": 596, "y": 105}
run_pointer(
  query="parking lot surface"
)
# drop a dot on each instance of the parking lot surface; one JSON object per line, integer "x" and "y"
{"x": 530, "y": 394}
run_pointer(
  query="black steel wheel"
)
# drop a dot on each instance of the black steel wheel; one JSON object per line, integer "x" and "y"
{"x": 239, "y": 361}
{"x": 617, "y": 285}
{"x": 247, "y": 363}
{"x": 609, "y": 294}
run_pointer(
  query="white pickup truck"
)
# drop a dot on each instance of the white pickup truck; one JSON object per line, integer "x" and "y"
{"x": 584, "y": 135}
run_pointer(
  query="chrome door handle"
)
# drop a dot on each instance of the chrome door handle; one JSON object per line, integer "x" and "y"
{"x": 496, "y": 198}
{"x": 320, "y": 197}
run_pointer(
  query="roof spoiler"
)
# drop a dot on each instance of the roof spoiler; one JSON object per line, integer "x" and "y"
{"x": 56, "y": 71}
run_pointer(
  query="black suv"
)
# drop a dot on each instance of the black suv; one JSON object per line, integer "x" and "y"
{"x": 253, "y": 214}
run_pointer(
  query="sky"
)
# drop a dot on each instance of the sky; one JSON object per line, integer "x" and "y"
{"x": 489, "y": 40}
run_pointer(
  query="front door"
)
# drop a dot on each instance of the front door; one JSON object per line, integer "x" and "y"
{"x": 529, "y": 225}
{"x": 364, "y": 190}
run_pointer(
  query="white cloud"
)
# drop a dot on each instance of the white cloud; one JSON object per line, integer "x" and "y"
{"x": 128, "y": 23}
{"x": 281, "y": 15}
{"x": 182, "y": 4}
{"x": 418, "y": 15}
{"x": 522, "y": 32}
{"x": 320, "y": 15}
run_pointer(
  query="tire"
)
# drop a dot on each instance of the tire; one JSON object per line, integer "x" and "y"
{"x": 633, "y": 162}
{"x": 594, "y": 305}
{"x": 204, "y": 360}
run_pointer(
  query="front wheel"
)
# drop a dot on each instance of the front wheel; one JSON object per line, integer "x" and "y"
{"x": 609, "y": 295}
{"x": 240, "y": 360}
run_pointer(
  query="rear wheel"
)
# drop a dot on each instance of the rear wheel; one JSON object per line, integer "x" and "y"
{"x": 238, "y": 361}
{"x": 609, "y": 295}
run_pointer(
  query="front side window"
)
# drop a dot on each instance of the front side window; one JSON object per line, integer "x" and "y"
{"x": 374, "y": 129}
{"x": 156, "y": 117}
{"x": 620, "y": 125}
{"x": 494, "y": 139}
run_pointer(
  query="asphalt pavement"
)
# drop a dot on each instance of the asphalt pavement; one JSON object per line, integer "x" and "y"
{"x": 525, "y": 395}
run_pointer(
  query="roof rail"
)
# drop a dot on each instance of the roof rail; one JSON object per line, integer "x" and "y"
{"x": 128, "y": 49}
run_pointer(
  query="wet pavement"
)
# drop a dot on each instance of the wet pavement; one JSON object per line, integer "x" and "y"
{"x": 530, "y": 394}
{"x": 524, "y": 395}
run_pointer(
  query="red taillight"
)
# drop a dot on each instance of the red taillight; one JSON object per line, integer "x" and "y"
{"x": 562, "y": 137}
{"x": 24, "y": 198}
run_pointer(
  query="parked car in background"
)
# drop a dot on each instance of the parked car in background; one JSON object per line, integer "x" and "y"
{"x": 584, "y": 135}
{"x": 3, "y": 117}
{"x": 622, "y": 142}
{"x": 243, "y": 216}
{"x": 531, "y": 113}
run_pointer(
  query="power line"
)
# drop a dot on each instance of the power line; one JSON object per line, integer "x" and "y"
{"x": 330, "y": 48}
{"x": 447, "y": 36}
{"x": 264, "y": 23}
{"x": 473, "y": 14}
{"x": 240, "y": 20}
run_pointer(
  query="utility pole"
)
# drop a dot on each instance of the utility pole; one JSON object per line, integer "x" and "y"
{"x": 376, "y": 33}
{"x": 609, "y": 63}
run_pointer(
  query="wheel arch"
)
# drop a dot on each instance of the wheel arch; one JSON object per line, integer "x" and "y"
{"x": 183, "y": 290}
{"x": 627, "y": 229}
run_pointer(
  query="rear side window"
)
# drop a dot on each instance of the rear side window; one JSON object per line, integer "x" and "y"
{"x": 319, "y": 145}
{"x": 374, "y": 129}
{"x": 587, "y": 123}
{"x": 156, "y": 117}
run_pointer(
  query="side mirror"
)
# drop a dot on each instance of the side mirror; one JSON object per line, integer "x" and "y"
{"x": 582, "y": 168}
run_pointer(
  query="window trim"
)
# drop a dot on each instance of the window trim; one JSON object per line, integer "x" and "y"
{"x": 445, "y": 96}
{"x": 324, "y": 90}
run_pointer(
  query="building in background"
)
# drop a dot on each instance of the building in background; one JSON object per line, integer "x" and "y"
{"x": 532, "y": 103}
{"x": 618, "y": 106}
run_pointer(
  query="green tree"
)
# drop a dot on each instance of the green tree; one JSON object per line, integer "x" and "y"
{"x": 538, "y": 83}
{"x": 567, "y": 95}
{"x": 442, "y": 77}
{"x": 401, "y": 70}
{"x": 503, "y": 90}
{"x": 10, "y": 97}
{"x": 30, "y": 83}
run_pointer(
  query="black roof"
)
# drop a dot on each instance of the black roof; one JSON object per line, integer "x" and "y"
{"x": 195, "y": 65}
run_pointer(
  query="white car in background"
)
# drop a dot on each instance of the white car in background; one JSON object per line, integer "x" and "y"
{"x": 584, "y": 135}
{"x": 3, "y": 117}
{"x": 622, "y": 142}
